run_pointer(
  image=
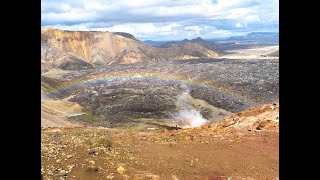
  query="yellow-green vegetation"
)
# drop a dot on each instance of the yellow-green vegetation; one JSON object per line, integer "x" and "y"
{"x": 105, "y": 142}
{"x": 134, "y": 127}
{"x": 86, "y": 118}
{"x": 87, "y": 142}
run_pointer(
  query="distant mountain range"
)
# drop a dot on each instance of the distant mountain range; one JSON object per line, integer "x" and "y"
{"x": 154, "y": 43}
{"x": 259, "y": 37}
{"x": 254, "y": 37}
{"x": 168, "y": 44}
{"x": 79, "y": 50}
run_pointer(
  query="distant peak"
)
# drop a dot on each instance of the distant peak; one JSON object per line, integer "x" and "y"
{"x": 185, "y": 40}
{"x": 198, "y": 39}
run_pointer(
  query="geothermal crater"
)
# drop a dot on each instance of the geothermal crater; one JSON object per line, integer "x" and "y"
{"x": 171, "y": 94}
{"x": 122, "y": 101}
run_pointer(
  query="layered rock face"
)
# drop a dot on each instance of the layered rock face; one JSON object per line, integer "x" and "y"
{"x": 75, "y": 50}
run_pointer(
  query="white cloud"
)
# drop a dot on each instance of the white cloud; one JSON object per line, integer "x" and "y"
{"x": 161, "y": 18}
{"x": 252, "y": 18}
{"x": 157, "y": 31}
{"x": 123, "y": 10}
{"x": 238, "y": 25}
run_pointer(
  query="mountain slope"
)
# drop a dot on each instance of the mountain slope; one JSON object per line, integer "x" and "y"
{"x": 71, "y": 50}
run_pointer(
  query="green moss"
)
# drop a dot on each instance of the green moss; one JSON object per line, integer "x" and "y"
{"x": 86, "y": 118}
{"x": 134, "y": 127}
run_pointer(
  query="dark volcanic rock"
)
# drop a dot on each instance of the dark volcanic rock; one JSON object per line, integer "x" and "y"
{"x": 92, "y": 169}
{"x": 116, "y": 102}
{"x": 130, "y": 99}
{"x": 127, "y": 35}
{"x": 74, "y": 65}
{"x": 232, "y": 85}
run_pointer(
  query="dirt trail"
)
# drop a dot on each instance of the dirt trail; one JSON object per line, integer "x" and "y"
{"x": 55, "y": 112}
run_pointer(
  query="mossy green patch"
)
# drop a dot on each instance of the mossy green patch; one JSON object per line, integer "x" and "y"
{"x": 87, "y": 119}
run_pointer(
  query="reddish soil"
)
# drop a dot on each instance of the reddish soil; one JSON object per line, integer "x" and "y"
{"x": 211, "y": 152}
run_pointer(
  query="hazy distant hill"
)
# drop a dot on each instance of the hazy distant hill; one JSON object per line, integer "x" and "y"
{"x": 207, "y": 44}
{"x": 154, "y": 43}
{"x": 259, "y": 37}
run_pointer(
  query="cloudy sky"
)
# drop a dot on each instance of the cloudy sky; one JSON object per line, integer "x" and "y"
{"x": 164, "y": 19}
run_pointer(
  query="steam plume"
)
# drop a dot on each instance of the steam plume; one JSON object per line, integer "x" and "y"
{"x": 188, "y": 116}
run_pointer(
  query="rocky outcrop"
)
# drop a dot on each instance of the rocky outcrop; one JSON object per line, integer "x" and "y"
{"x": 264, "y": 117}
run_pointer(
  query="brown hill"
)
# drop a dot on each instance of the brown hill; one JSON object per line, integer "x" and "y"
{"x": 75, "y": 50}
{"x": 199, "y": 41}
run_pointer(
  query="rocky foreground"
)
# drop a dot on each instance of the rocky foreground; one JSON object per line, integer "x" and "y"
{"x": 244, "y": 145}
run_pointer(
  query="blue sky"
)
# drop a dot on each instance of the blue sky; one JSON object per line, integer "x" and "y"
{"x": 163, "y": 19}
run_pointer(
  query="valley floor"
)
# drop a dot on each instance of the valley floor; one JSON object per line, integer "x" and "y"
{"x": 251, "y": 53}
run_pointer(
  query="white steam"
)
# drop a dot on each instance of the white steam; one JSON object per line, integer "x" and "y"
{"x": 188, "y": 116}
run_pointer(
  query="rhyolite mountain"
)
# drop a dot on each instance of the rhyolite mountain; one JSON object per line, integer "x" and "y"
{"x": 79, "y": 50}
